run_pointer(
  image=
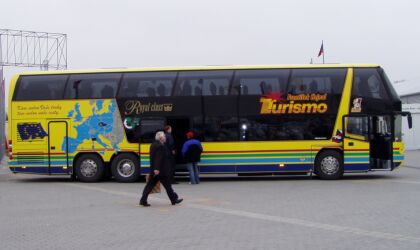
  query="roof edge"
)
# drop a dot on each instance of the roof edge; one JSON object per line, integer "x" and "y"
{"x": 215, "y": 67}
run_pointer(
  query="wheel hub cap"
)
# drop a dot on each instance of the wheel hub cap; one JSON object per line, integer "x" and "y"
{"x": 126, "y": 168}
{"x": 330, "y": 165}
{"x": 88, "y": 168}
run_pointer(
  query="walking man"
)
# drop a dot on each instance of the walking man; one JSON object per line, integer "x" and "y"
{"x": 191, "y": 151}
{"x": 160, "y": 170}
{"x": 170, "y": 143}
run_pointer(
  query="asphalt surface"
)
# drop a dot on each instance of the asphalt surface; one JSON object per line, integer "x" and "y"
{"x": 378, "y": 210}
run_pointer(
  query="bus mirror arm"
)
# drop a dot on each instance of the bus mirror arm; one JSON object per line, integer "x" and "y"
{"x": 409, "y": 118}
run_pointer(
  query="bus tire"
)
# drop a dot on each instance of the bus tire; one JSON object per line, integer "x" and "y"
{"x": 90, "y": 168}
{"x": 329, "y": 165}
{"x": 125, "y": 168}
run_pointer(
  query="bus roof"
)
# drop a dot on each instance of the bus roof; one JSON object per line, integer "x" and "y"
{"x": 215, "y": 67}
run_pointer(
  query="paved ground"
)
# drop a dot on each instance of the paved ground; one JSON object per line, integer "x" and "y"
{"x": 368, "y": 211}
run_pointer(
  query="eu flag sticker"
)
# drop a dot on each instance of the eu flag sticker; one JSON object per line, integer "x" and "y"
{"x": 31, "y": 131}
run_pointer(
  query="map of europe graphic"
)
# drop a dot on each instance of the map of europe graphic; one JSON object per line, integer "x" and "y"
{"x": 102, "y": 124}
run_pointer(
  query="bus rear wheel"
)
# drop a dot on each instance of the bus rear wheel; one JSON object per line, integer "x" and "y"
{"x": 89, "y": 168}
{"x": 125, "y": 168}
{"x": 329, "y": 165}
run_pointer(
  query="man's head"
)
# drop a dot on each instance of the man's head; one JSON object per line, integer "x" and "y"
{"x": 160, "y": 136}
{"x": 168, "y": 129}
{"x": 190, "y": 135}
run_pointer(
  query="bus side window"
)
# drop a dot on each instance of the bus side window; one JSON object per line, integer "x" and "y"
{"x": 95, "y": 86}
{"x": 370, "y": 91}
{"x": 260, "y": 82}
{"x": 328, "y": 82}
{"x": 313, "y": 81}
{"x": 367, "y": 83}
{"x": 206, "y": 83}
{"x": 357, "y": 126}
{"x": 40, "y": 87}
{"x": 147, "y": 84}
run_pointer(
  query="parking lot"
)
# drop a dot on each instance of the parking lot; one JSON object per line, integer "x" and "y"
{"x": 378, "y": 210}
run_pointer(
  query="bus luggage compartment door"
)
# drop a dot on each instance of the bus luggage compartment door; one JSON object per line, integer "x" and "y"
{"x": 58, "y": 160}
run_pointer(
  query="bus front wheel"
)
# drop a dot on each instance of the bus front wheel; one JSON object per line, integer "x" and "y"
{"x": 329, "y": 165}
{"x": 89, "y": 168}
{"x": 125, "y": 168}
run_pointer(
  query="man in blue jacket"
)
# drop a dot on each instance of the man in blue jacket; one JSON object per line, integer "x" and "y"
{"x": 191, "y": 151}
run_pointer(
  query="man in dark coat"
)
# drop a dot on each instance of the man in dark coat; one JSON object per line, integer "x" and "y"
{"x": 170, "y": 143}
{"x": 160, "y": 170}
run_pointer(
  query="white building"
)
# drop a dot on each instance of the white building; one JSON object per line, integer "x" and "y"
{"x": 410, "y": 97}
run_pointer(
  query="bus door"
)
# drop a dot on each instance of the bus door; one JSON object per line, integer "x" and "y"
{"x": 381, "y": 142}
{"x": 368, "y": 142}
{"x": 58, "y": 159}
{"x": 180, "y": 127}
{"x": 356, "y": 143}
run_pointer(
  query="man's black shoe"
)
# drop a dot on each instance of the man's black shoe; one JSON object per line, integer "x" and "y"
{"x": 175, "y": 182}
{"x": 144, "y": 204}
{"x": 177, "y": 201}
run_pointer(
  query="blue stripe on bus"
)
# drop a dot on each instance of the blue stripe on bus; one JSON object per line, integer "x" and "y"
{"x": 40, "y": 170}
{"x": 217, "y": 169}
{"x": 367, "y": 159}
{"x": 356, "y": 159}
{"x": 250, "y": 160}
{"x": 274, "y": 168}
{"x": 26, "y": 163}
{"x": 255, "y": 160}
{"x": 398, "y": 158}
{"x": 356, "y": 167}
{"x": 247, "y": 168}
{"x": 265, "y": 168}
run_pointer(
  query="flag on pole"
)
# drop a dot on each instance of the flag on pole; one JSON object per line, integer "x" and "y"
{"x": 321, "y": 50}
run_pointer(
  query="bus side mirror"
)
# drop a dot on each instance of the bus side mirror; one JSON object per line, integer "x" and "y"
{"x": 410, "y": 121}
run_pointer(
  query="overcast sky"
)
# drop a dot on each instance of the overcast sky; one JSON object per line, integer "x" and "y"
{"x": 141, "y": 33}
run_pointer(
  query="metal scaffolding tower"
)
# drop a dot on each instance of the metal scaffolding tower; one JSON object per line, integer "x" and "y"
{"x": 33, "y": 49}
{"x": 20, "y": 48}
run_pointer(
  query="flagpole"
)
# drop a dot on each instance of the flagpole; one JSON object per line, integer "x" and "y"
{"x": 323, "y": 52}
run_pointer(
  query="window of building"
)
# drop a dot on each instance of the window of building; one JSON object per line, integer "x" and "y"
{"x": 40, "y": 87}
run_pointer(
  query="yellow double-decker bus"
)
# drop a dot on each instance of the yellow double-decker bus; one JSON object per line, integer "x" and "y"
{"x": 321, "y": 119}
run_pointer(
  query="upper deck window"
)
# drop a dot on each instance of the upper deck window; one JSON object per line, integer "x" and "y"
{"x": 40, "y": 87}
{"x": 368, "y": 83}
{"x": 260, "y": 82}
{"x": 147, "y": 84}
{"x": 206, "y": 83}
{"x": 369, "y": 93}
{"x": 316, "y": 81}
{"x": 92, "y": 86}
